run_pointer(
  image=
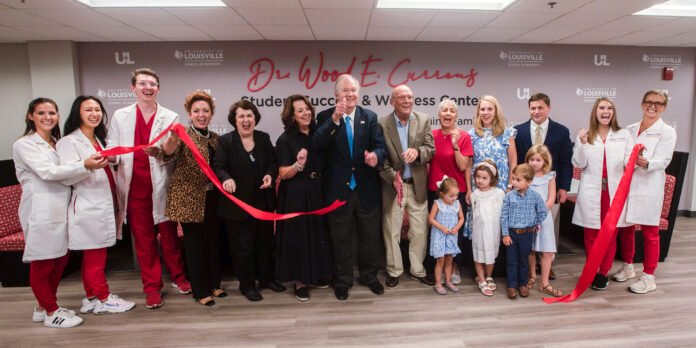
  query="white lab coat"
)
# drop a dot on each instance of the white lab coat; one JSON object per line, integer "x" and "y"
{"x": 645, "y": 198}
{"x": 44, "y": 204}
{"x": 91, "y": 220}
{"x": 590, "y": 158}
{"x": 122, "y": 133}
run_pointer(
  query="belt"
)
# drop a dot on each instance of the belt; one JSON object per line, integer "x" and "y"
{"x": 408, "y": 180}
{"x": 522, "y": 230}
{"x": 311, "y": 175}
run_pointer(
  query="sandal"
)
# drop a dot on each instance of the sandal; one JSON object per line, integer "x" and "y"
{"x": 219, "y": 293}
{"x": 208, "y": 301}
{"x": 439, "y": 289}
{"x": 549, "y": 290}
{"x": 491, "y": 283}
{"x": 452, "y": 287}
{"x": 485, "y": 289}
{"x": 531, "y": 281}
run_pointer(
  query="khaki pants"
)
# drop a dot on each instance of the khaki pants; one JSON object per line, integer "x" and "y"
{"x": 392, "y": 219}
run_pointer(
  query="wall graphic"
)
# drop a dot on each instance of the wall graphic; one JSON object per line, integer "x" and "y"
{"x": 267, "y": 72}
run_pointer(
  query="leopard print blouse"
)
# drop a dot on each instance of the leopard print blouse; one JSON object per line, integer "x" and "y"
{"x": 186, "y": 196}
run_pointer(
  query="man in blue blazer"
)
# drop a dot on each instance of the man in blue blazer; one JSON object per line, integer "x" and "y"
{"x": 353, "y": 145}
{"x": 541, "y": 129}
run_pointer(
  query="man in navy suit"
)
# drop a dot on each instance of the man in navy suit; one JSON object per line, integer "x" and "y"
{"x": 542, "y": 130}
{"x": 353, "y": 144}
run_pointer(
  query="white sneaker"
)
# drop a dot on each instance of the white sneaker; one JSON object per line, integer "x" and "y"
{"x": 88, "y": 305}
{"x": 113, "y": 304}
{"x": 625, "y": 273}
{"x": 62, "y": 318}
{"x": 645, "y": 284}
{"x": 38, "y": 316}
{"x": 456, "y": 279}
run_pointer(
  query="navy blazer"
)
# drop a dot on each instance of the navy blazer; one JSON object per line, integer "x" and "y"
{"x": 559, "y": 144}
{"x": 338, "y": 164}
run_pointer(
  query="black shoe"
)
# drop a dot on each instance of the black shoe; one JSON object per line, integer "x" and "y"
{"x": 302, "y": 294}
{"x": 322, "y": 284}
{"x": 274, "y": 285}
{"x": 427, "y": 280}
{"x": 376, "y": 287}
{"x": 600, "y": 282}
{"x": 391, "y": 282}
{"x": 252, "y": 295}
{"x": 341, "y": 293}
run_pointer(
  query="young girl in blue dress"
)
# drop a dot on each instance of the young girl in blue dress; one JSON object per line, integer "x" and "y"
{"x": 446, "y": 217}
{"x": 544, "y": 183}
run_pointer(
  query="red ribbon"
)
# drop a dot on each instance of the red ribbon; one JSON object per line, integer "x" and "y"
{"x": 599, "y": 248}
{"x": 181, "y": 132}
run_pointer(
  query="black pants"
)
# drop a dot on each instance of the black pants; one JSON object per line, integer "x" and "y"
{"x": 202, "y": 253}
{"x": 345, "y": 224}
{"x": 466, "y": 257}
{"x": 252, "y": 245}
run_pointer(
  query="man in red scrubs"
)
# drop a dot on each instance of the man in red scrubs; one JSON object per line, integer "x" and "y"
{"x": 143, "y": 182}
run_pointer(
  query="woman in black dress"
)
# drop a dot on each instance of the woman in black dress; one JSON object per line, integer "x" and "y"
{"x": 304, "y": 253}
{"x": 245, "y": 164}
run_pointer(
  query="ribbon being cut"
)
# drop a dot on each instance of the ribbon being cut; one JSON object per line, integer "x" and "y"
{"x": 605, "y": 232}
{"x": 181, "y": 132}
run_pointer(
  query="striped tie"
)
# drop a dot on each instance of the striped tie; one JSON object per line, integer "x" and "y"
{"x": 537, "y": 138}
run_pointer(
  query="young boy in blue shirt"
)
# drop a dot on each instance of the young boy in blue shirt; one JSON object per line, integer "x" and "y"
{"x": 523, "y": 212}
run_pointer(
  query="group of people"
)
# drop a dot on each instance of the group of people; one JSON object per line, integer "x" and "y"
{"x": 475, "y": 189}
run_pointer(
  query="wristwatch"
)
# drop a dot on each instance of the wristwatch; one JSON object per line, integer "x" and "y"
{"x": 455, "y": 148}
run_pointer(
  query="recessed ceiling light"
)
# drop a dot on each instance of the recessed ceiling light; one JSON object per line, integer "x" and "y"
{"x": 153, "y": 3}
{"x": 485, "y": 5}
{"x": 675, "y": 8}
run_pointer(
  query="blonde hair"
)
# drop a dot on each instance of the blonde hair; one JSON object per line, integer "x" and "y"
{"x": 659, "y": 92}
{"x": 525, "y": 171}
{"x": 499, "y": 123}
{"x": 446, "y": 185}
{"x": 594, "y": 123}
{"x": 484, "y": 168}
{"x": 542, "y": 151}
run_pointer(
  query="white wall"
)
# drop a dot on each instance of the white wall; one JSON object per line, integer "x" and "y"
{"x": 15, "y": 89}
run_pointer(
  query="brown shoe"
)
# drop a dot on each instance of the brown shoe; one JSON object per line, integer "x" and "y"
{"x": 391, "y": 282}
{"x": 552, "y": 276}
{"x": 512, "y": 293}
{"x": 428, "y": 280}
{"x": 524, "y": 291}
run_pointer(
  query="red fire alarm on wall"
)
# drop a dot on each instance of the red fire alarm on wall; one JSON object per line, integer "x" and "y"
{"x": 668, "y": 73}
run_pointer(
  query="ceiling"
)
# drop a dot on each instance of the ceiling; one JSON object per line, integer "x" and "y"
{"x": 605, "y": 22}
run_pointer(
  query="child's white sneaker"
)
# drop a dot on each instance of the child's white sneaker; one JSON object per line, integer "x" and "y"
{"x": 88, "y": 305}
{"x": 456, "y": 279}
{"x": 625, "y": 273}
{"x": 645, "y": 284}
{"x": 38, "y": 316}
{"x": 113, "y": 304}
{"x": 62, "y": 318}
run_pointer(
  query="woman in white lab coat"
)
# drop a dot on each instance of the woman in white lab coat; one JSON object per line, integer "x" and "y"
{"x": 644, "y": 204}
{"x": 43, "y": 207}
{"x": 94, "y": 213}
{"x": 600, "y": 153}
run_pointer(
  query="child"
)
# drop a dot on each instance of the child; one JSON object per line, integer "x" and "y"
{"x": 446, "y": 217}
{"x": 486, "y": 203}
{"x": 523, "y": 211}
{"x": 544, "y": 183}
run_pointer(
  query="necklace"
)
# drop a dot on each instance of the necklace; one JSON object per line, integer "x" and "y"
{"x": 207, "y": 135}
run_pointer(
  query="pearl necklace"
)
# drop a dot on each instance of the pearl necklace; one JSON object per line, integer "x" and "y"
{"x": 199, "y": 132}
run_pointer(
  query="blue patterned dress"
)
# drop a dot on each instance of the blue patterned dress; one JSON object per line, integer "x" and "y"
{"x": 442, "y": 244}
{"x": 495, "y": 149}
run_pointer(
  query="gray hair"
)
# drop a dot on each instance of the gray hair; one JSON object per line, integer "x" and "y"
{"x": 343, "y": 77}
{"x": 446, "y": 101}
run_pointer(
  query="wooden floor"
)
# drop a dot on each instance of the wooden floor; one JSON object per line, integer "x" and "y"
{"x": 410, "y": 315}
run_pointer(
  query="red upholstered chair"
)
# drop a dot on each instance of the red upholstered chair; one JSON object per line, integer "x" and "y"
{"x": 12, "y": 271}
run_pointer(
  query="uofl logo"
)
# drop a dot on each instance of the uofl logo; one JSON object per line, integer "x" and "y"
{"x": 601, "y": 60}
{"x": 123, "y": 58}
{"x": 522, "y": 93}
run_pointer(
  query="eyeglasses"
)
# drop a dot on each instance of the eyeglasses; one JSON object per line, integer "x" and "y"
{"x": 651, "y": 103}
{"x": 147, "y": 84}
